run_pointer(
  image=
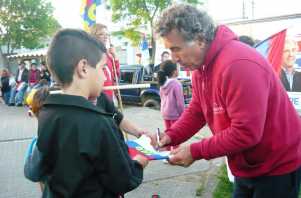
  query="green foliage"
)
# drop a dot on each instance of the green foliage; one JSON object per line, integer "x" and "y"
{"x": 224, "y": 187}
{"x": 131, "y": 34}
{"x": 24, "y": 23}
{"x": 140, "y": 16}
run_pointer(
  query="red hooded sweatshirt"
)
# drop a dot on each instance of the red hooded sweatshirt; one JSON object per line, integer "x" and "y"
{"x": 253, "y": 122}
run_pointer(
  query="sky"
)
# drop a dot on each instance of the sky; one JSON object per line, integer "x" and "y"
{"x": 232, "y": 9}
{"x": 67, "y": 12}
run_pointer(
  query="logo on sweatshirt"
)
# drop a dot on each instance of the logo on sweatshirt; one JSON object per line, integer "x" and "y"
{"x": 217, "y": 109}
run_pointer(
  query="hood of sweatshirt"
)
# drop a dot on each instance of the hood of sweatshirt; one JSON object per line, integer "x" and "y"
{"x": 223, "y": 36}
{"x": 168, "y": 85}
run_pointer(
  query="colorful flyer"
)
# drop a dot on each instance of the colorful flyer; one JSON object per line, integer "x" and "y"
{"x": 143, "y": 147}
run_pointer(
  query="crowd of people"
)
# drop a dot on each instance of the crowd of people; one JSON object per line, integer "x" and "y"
{"x": 15, "y": 88}
{"x": 80, "y": 150}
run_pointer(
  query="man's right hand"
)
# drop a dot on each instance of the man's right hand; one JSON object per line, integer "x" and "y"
{"x": 164, "y": 140}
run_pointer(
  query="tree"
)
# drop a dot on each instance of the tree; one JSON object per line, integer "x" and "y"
{"x": 141, "y": 16}
{"x": 25, "y": 23}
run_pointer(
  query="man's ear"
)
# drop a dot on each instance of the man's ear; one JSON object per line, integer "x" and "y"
{"x": 82, "y": 68}
{"x": 201, "y": 42}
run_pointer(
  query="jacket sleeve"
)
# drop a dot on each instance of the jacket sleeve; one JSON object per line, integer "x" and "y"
{"x": 32, "y": 168}
{"x": 245, "y": 89}
{"x": 105, "y": 103}
{"x": 116, "y": 170}
{"x": 190, "y": 122}
{"x": 179, "y": 97}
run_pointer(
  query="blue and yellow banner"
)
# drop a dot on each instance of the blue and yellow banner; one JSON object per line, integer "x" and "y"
{"x": 88, "y": 12}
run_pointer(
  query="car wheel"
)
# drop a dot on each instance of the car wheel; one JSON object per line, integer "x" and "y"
{"x": 151, "y": 103}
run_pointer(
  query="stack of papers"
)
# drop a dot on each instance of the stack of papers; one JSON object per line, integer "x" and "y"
{"x": 143, "y": 147}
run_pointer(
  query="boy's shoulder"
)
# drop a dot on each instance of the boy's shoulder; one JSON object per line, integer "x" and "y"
{"x": 62, "y": 115}
{"x": 69, "y": 103}
{"x": 73, "y": 110}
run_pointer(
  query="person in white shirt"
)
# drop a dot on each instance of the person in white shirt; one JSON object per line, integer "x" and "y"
{"x": 18, "y": 91}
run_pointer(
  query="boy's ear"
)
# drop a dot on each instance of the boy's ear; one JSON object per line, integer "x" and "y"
{"x": 82, "y": 68}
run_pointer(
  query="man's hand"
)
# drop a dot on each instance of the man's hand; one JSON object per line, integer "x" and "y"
{"x": 181, "y": 156}
{"x": 141, "y": 160}
{"x": 164, "y": 140}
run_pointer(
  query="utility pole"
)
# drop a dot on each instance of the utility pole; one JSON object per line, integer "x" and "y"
{"x": 253, "y": 9}
{"x": 243, "y": 9}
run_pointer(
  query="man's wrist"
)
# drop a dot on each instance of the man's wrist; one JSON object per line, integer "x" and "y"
{"x": 195, "y": 151}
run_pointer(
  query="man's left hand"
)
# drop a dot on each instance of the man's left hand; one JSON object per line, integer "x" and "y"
{"x": 181, "y": 156}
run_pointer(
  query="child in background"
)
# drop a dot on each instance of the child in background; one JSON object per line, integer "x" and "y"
{"x": 171, "y": 93}
{"x": 44, "y": 74}
{"x": 32, "y": 167}
{"x": 83, "y": 154}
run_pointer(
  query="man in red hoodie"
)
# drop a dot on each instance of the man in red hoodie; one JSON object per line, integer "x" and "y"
{"x": 237, "y": 94}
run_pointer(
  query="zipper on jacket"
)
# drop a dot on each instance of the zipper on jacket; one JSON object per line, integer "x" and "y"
{"x": 203, "y": 79}
{"x": 206, "y": 99}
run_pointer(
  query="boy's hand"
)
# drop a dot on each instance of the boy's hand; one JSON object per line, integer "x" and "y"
{"x": 141, "y": 160}
{"x": 141, "y": 132}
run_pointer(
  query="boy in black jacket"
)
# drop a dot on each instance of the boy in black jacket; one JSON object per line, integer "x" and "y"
{"x": 83, "y": 154}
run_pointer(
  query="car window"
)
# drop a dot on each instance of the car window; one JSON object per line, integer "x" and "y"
{"x": 126, "y": 77}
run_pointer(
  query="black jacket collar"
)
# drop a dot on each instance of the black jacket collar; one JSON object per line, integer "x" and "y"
{"x": 75, "y": 101}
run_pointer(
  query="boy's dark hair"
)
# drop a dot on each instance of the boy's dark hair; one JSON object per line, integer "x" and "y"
{"x": 167, "y": 69}
{"x": 67, "y": 48}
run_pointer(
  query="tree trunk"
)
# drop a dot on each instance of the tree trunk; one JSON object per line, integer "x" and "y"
{"x": 153, "y": 42}
{"x": 152, "y": 59}
{"x": 3, "y": 60}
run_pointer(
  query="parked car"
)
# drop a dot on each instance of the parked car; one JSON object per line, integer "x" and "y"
{"x": 147, "y": 97}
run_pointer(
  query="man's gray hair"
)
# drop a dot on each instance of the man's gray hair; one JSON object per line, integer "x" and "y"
{"x": 190, "y": 22}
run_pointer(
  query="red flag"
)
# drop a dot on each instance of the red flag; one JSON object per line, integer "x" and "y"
{"x": 272, "y": 49}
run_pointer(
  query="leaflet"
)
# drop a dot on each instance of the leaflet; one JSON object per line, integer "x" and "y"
{"x": 143, "y": 147}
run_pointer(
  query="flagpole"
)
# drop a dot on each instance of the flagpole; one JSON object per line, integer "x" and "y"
{"x": 119, "y": 99}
